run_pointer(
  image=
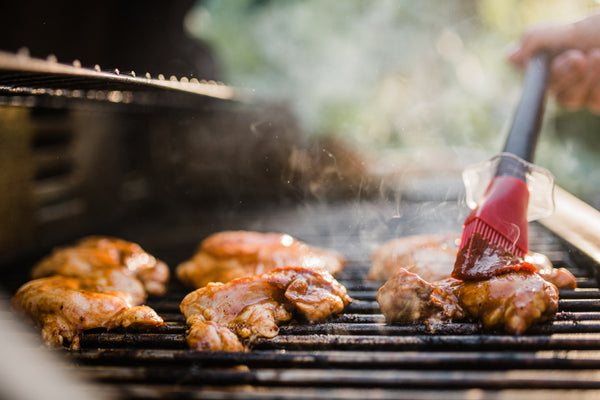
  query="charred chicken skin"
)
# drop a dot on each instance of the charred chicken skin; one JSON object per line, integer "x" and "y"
{"x": 106, "y": 264}
{"x": 64, "y": 307}
{"x": 222, "y": 316}
{"x": 228, "y": 255}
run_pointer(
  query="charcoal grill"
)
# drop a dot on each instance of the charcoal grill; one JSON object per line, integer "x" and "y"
{"x": 354, "y": 355}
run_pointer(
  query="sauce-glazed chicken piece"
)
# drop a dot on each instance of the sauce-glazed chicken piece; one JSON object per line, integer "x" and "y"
{"x": 106, "y": 265}
{"x": 429, "y": 256}
{"x": 407, "y": 298}
{"x": 64, "y": 307}
{"x": 432, "y": 258}
{"x": 514, "y": 301}
{"x": 228, "y": 255}
{"x": 481, "y": 282}
{"x": 220, "y": 314}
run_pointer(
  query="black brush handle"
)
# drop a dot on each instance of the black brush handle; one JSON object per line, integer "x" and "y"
{"x": 527, "y": 119}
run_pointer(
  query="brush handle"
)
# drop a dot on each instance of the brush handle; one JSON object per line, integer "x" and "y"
{"x": 527, "y": 119}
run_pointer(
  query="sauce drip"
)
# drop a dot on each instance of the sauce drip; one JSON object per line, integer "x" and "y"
{"x": 481, "y": 259}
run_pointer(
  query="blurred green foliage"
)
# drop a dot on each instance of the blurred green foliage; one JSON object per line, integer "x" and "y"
{"x": 400, "y": 73}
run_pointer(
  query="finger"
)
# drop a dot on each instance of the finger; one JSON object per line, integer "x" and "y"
{"x": 566, "y": 70}
{"x": 574, "y": 94}
{"x": 552, "y": 38}
{"x": 593, "y": 95}
{"x": 514, "y": 54}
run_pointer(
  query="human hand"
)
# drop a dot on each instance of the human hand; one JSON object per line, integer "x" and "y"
{"x": 575, "y": 66}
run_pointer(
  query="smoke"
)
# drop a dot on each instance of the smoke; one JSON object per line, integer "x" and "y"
{"x": 384, "y": 74}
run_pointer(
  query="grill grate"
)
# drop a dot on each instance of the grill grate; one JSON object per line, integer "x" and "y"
{"x": 354, "y": 355}
{"x": 31, "y": 82}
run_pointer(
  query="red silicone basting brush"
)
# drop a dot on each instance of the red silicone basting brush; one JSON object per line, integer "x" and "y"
{"x": 496, "y": 232}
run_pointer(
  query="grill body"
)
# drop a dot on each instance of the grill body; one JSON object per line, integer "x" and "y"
{"x": 90, "y": 152}
{"x": 355, "y": 355}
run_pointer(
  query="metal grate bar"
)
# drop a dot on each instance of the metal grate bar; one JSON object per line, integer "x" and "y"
{"x": 352, "y": 359}
{"x": 207, "y": 392}
{"x": 557, "y": 379}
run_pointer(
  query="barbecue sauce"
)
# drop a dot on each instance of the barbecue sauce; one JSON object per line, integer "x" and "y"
{"x": 480, "y": 259}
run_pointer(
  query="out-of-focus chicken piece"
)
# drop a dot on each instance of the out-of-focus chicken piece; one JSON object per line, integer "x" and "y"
{"x": 254, "y": 306}
{"x": 514, "y": 301}
{"x": 153, "y": 273}
{"x": 429, "y": 256}
{"x": 106, "y": 265}
{"x": 407, "y": 298}
{"x": 562, "y": 278}
{"x": 96, "y": 270}
{"x": 63, "y": 307}
{"x": 228, "y": 255}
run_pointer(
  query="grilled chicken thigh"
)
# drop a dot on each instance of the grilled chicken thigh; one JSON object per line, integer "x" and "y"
{"x": 254, "y": 306}
{"x": 97, "y": 283}
{"x": 407, "y": 298}
{"x": 106, "y": 265}
{"x": 64, "y": 307}
{"x": 421, "y": 288}
{"x": 514, "y": 301}
{"x": 228, "y": 255}
{"x": 432, "y": 258}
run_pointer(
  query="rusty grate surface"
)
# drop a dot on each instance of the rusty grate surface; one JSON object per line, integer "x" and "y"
{"x": 354, "y": 355}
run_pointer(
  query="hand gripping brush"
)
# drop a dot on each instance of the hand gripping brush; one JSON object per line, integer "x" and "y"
{"x": 497, "y": 229}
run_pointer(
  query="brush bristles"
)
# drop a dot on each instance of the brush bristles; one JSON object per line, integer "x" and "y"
{"x": 478, "y": 226}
